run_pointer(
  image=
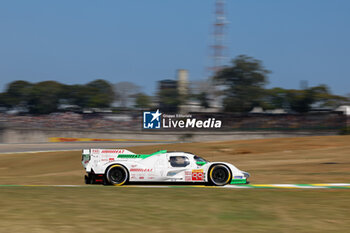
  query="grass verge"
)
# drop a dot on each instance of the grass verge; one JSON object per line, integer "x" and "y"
{"x": 104, "y": 209}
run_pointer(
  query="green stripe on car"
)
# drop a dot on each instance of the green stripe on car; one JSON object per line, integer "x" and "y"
{"x": 133, "y": 156}
{"x": 238, "y": 181}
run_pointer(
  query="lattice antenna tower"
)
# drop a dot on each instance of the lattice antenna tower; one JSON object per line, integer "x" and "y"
{"x": 219, "y": 50}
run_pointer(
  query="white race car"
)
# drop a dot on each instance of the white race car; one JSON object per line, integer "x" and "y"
{"x": 119, "y": 166}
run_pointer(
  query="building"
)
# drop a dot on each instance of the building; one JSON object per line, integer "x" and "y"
{"x": 167, "y": 84}
{"x": 182, "y": 82}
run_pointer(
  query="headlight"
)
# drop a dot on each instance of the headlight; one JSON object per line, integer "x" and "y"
{"x": 246, "y": 174}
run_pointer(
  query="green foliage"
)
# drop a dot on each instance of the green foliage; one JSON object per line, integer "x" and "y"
{"x": 275, "y": 98}
{"x": 44, "y": 97}
{"x": 169, "y": 100}
{"x": 323, "y": 96}
{"x": 17, "y": 93}
{"x": 301, "y": 101}
{"x": 142, "y": 101}
{"x": 79, "y": 95}
{"x": 244, "y": 83}
{"x": 103, "y": 94}
{"x": 4, "y": 100}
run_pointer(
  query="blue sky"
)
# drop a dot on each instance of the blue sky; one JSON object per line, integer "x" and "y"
{"x": 145, "y": 41}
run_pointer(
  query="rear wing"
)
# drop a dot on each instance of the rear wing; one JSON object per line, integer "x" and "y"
{"x": 103, "y": 155}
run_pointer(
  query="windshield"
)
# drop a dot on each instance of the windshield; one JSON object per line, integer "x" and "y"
{"x": 200, "y": 159}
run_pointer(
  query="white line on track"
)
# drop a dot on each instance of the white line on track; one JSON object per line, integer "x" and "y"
{"x": 37, "y": 151}
{"x": 254, "y": 186}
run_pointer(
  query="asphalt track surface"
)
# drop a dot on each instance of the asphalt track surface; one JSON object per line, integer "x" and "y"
{"x": 250, "y": 186}
{"x": 69, "y": 146}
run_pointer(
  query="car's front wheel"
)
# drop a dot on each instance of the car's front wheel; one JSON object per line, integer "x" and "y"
{"x": 220, "y": 175}
{"x": 117, "y": 175}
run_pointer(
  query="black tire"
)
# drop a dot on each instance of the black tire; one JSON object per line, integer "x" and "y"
{"x": 117, "y": 175}
{"x": 105, "y": 181}
{"x": 220, "y": 175}
{"x": 86, "y": 179}
{"x": 89, "y": 179}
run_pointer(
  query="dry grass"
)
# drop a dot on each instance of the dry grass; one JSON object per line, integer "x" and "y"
{"x": 129, "y": 209}
{"x": 280, "y": 160}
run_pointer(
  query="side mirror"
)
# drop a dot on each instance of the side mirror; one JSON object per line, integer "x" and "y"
{"x": 200, "y": 163}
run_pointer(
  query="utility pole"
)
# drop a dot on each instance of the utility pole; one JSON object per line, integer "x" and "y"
{"x": 219, "y": 50}
{"x": 218, "y": 53}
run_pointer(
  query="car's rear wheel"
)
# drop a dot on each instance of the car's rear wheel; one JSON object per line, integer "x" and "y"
{"x": 117, "y": 175}
{"x": 220, "y": 175}
{"x": 86, "y": 179}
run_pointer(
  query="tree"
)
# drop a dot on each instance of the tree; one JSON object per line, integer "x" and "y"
{"x": 324, "y": 98}
{"x": 275, "y": 98}
{"x": 302, "y": 101}
{"x": 102, "y": 86}
{"x": 44, "y": 97}
{"x": 96, "y": 94}
{"x": 169, "y": 100}
{"x": 142, "y": 101}
{"x": 17, "y": 93}
{"x": 244, "y": 83}
{"x": 4, "y": 100}
{"x": 103, "y": 95}
{"x": 78, "y": 95}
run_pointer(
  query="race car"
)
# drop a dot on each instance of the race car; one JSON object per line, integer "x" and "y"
{"x": 120, "y": 166}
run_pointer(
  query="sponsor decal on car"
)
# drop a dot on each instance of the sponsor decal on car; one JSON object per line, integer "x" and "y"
{"x": 113, "y": 151}
{"x": 107, "y": 151}
{"x": 107, "y": 159}
{"x": 197, "y": 175}
{"x": 160, "y": 167}
{"x": 188, "y": 175}
{"x": 141, "y": 170}
{"x": 128, "y": 156}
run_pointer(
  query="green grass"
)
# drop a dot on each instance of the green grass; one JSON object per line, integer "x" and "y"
{"x": 130, "y": 209}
